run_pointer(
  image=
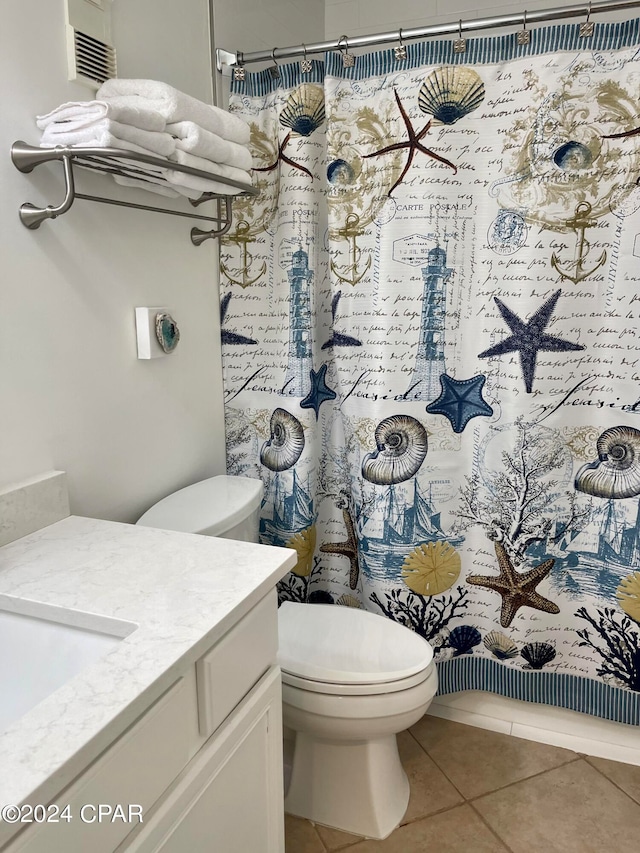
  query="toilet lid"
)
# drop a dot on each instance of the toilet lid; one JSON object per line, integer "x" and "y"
{"x": 211, "y": 506}
{"x": 343, "y": 645}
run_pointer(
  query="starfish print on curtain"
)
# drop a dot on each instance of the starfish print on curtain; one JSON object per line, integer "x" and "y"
{"x": 529, "y": 338}
{"x": 413, "y": 144}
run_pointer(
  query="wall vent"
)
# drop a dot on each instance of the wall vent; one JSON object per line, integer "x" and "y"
{"x": 90, "y": 52}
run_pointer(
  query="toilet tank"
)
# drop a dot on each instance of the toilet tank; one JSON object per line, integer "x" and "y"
{"x": 222, "y": 506}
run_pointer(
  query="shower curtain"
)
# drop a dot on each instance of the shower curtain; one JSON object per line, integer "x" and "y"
{"x": 431, "y": 351}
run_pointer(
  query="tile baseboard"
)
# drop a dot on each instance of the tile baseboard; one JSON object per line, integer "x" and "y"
{"x": 542, "y": 723}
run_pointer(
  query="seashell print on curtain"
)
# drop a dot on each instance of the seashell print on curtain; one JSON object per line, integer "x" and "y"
{"x": 431, "y": 355}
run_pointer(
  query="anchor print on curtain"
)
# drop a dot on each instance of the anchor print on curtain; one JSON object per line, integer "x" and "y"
{"x": 431, "y": 354}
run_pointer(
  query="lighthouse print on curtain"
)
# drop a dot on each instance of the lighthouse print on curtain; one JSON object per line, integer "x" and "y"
{"x": 431, "y": 350}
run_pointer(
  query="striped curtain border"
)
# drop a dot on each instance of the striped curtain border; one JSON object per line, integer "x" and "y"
{"x": 263, "y": 82}
{"x": 493, "y": 49}
{"x": 564, "y": 37}
{"x": 543, "y": 688}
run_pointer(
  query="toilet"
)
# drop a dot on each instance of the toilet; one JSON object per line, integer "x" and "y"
{"x": 220, "y": 506}
{"x": 351, "y": 680}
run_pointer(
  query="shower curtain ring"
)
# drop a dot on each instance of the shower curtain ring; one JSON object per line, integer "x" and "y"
{"x": 348, "y": 60}
{"x": 275, "y": 68}
{"x": 239, "y": 72}
{"x": 400, "y": 50}
{"x": 586, "y": 29}
{"x": 305, "y": 64}
{"x": 460, "y": 44}
{"x": 524, "y": 36}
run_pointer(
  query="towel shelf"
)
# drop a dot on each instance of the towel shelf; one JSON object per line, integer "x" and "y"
{"x": 120, "y": 162}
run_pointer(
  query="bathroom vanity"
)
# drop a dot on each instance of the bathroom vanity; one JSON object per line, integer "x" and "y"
{"x": 177, "y": 720}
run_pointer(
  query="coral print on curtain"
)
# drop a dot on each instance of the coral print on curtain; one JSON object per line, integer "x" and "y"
{"x": 431, "y": 350}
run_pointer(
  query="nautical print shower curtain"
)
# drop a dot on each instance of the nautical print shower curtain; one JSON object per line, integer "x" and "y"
{"x": 431, "y": 344}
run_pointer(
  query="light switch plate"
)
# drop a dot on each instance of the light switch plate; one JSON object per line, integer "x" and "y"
{"x": 148, "y": 346}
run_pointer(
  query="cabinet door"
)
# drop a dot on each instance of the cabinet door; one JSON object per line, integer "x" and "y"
{"x": 229, "y": 799}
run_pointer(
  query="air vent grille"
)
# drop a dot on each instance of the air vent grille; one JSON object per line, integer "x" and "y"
{"x": 94, "y": 60}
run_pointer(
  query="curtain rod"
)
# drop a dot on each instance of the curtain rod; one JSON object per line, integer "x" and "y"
{"x": 226, "y": 59}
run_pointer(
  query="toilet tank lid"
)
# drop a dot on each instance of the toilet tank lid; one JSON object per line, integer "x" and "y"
{"x": 211, "y": 506}
{"x": 344, "y": 645}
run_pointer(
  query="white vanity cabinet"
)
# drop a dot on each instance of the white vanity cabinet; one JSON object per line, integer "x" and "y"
{"x": 204, "y": 762}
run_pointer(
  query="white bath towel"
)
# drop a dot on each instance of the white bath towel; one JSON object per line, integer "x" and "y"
{"x": 193, "y": 139}
{"x": 85, "y": 113}
{"x": 149, "y": 184}
{"x": 174, "y": 106}
{"x": 101, "y": 133}
{"x": 214, "y": 169}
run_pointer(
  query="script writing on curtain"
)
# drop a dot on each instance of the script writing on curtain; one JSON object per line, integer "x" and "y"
{"x": 431, "y": 350}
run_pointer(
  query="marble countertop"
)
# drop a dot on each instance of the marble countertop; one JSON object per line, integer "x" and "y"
{"x": 183, "y": 592}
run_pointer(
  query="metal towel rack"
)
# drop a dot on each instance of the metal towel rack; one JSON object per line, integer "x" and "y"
{"x": 115, "y": 161}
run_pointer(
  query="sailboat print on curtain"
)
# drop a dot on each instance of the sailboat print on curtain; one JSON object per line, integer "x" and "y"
{"x": 394, "y": 522}
{"x": 441, "y": 275}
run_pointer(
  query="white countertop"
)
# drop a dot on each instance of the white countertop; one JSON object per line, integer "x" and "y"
{"x": 182, "y": 591}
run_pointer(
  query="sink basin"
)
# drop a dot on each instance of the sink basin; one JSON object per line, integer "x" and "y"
{"x": 42, "y": 647}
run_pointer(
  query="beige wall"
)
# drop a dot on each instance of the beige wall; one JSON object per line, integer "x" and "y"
{"x": 74, "y": 395}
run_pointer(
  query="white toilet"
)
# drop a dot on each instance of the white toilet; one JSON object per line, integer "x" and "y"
{"x": 351, "y": 679}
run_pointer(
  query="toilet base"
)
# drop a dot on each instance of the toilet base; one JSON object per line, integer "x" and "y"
{"x": 357, "y": 787}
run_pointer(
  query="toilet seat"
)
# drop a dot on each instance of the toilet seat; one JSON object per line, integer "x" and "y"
{"x": 363, "y": 688}
{"x": 331, "y": 649}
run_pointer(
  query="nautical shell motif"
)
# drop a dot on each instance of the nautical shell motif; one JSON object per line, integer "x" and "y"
{"x": 538, "y": 654}
{"x": 628, "y": 595}
{"x": 500, "y": 646}
{"x": 451, "y": 92}
{"x": 304, "y": 109}
{"x": 573, "y": 156}
{"x": 283, "y": 449}
{"x": 402, "y": 447}
{"x": 431, "y": 568}
{"x": 347, "y": 600}
{"x": 304, "y": 542}
{"x": 463, "y": 639}
{"x": 616, "y": 473}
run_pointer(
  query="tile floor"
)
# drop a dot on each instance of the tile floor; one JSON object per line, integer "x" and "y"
{"x": 476, "y": 791}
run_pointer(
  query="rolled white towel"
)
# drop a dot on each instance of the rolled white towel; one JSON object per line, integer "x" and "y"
{"x": 193, "y": 139}
{"x": 174, "y": 106}
{"x": 84, "y": 113}
{"x": 101, "y": 133}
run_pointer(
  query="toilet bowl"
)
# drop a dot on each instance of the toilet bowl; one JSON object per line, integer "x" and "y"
{"x": 351, "y": 681}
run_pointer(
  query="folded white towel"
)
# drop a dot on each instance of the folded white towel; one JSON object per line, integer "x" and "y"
{"x": 102, "y": 132}
{"x": 193, "y": 139}
{"x": 85, "y": 113}
{"x": 147, "y": 183}
{"x": 215, "y": 169}
{"x": 174, "y": 106}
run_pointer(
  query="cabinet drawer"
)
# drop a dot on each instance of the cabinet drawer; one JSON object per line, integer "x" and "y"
{"x": 228, "y": 672}
{"x": 137, "y": 769}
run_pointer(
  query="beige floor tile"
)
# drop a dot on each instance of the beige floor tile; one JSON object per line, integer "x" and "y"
{"x": 300, "y": 836}
{"x": 431, "y": 791}
{"x": 477, "y": 761}
{"x": 335, "y": 839}
{"x": 572, "y": 809}
{"x": 458, "y": 830}
{"x": 625, "y": 776}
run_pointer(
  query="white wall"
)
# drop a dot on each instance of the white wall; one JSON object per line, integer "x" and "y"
{"x": 251, "y": 25}
{"x": 362, "y": 17}
{"x": 72, "y": 392}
